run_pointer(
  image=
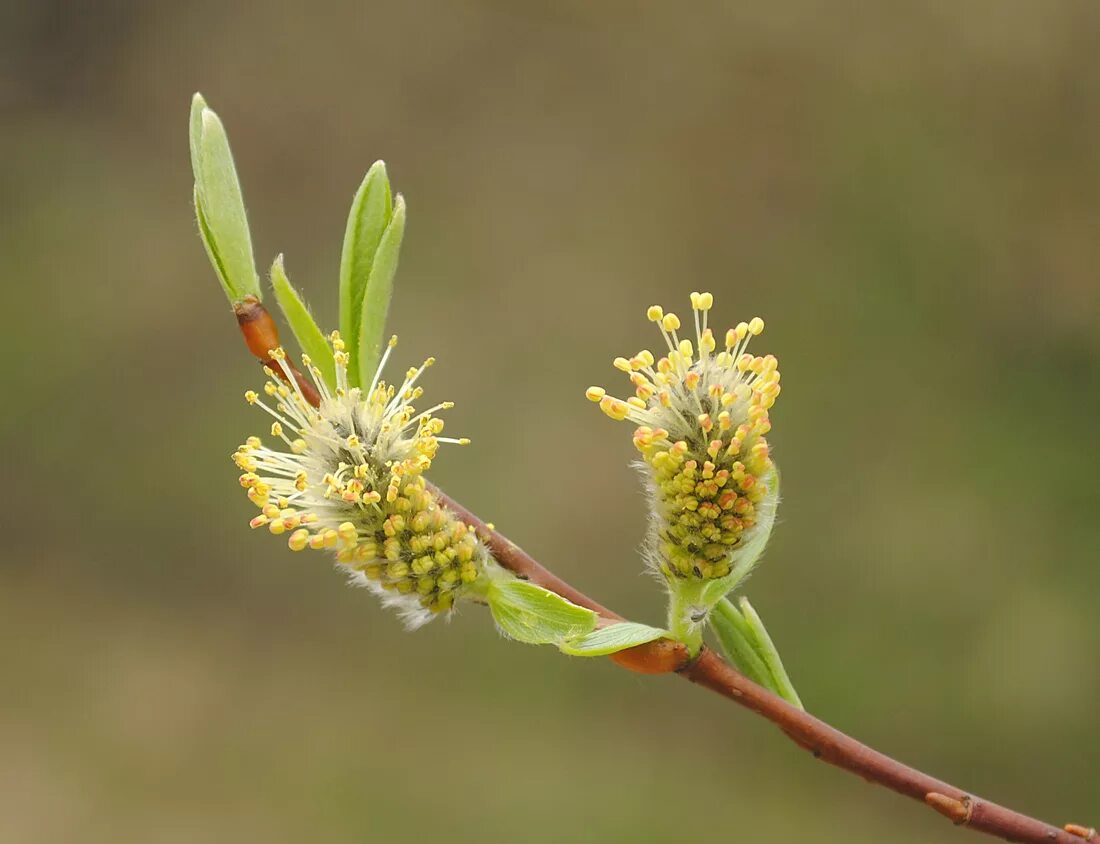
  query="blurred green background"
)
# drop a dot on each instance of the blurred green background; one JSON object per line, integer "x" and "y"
{"x": 908, "y": 193}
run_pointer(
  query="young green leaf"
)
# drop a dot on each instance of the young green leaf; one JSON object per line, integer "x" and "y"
{"x": 736, "y": 644}
{"x": 376, "y": 301}
{"x": 612, "y": 639}
{"x": 367, "y": 221}
{"x": 744, "y": 642}
{"x": 310, "y": 338}
{"x": 211, "y": 249}
{"x": 198, "y": 106}
{"x": 781, "y": 682}
{"x": 528, "y": 613}
{"x": 222, "y": 207}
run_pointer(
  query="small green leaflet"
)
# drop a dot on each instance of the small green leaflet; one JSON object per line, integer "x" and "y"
{"x": 528, "y": 613}
{"x": 219, "y": 204}
{"x": 309, "y": 336}
{"x": 745, "y": 642}
{"x": 376, "y": 300}
{"x": 368, "y": 218}
{"x": 612, "y": 639}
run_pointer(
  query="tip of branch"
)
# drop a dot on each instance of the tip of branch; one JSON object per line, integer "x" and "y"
{"x": 1086, "y": 833}
{"x": 957, "y": 811}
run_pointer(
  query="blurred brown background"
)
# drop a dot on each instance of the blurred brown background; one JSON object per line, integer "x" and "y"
{"x": 908, "y": 193}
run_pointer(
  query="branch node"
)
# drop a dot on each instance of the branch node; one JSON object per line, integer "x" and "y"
{"x": 957, "y": 811}
{"x": 1086, "y": 833}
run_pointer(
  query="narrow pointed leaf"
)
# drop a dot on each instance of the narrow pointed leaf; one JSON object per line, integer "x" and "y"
{"x": 211, "y": 248}
{"x": 612, "y": 639}
{"x": 310, "y": 338}
{"x": 528, "y": 613}
{"x": 198, "y": 105}
{"x": 221, "y": 205}
{"x": 368, "y": 218}
{"x": 765, "y": 648}
{"x": 376, "y": 301}
{"x": 736, "y": 644}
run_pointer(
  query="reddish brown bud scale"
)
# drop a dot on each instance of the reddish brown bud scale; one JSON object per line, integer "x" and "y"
{"x": 663, "y": 656}
{"x": 261, "y": 335}
{"x": 957, "y": 811}
{"x": 1080, "y": 831}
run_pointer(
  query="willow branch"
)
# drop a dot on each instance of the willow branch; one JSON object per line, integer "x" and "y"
{"x": 712, "y": 672}
{"x": 825, "y": 742}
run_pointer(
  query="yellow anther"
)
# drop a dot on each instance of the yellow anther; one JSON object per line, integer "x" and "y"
{"x": 392, "y": 341}
{"x": 621, "y": 364}
{"x": 353, "y": 441}
{"x": 277, "y": 528}
{"x": 276, "y": 429}
{"x": 298, "y": 540}
{"x": 614, "y": 408}
{"x": 706, "y": 301}
{"x": 595, "y": 393}
{"x": 654, "y": 313}
{"x": 756, "y": 326}
{"x": 298, "y": 446}
{"x": 251, "y": 397}
{"x": 671, "y": 322}
{"x": 695, "y": 301}
{"x": 258, "y": 522}
{"x": 347, "y": 532}
{"x": 731, "y": 339}
{"x": 686, "y": 350}
{"x": 463, "y": 441}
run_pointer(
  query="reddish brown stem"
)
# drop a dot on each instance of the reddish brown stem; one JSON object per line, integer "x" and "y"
{"x": 712, "y": 672}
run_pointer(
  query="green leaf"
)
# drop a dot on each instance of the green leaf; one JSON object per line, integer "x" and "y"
{"x": 220, "y": 205}
{"x": 528, "y": 613}
{"x": 765, "y": 647}
{"x": 198, "y": 106}
{"x": 310, "y": 338}
{"x": 745, "y": 642}
{"x": 223, "y": 206}
{"x": 376, "y": 301}
{"x": 736, "y": 643}
{"x": 370, "y": 213}
{"x": 211, "y": 250}
{"x": 612, "y": 639}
